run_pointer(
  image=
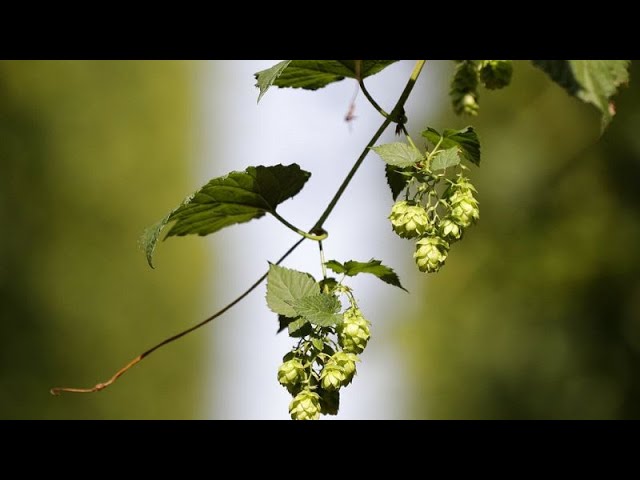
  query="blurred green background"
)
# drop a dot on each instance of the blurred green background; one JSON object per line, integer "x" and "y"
{"x": 86, "y": 149}
{"x": 535, "y": 315}
{"x": 537, "y": 312}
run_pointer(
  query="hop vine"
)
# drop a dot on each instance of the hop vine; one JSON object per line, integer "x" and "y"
{"x": 438, "y": 205}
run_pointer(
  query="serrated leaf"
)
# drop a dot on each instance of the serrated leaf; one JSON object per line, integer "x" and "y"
{"x": 446, "y": 159}
{"x": 398, "y": 154}
{"x": 396, "y": 180}
{"x": 466, "y": 140}
{"x": 592, "y": 81}
{"x": 314, "y": 74}
{"x": 299, "y": 328}
{"x": 235, "y": 198}
{"x": 374, "y": 267}
{"x": 320, "y": 309}
{"x": 265, "y": 78}
{"x": 285, "y": 286}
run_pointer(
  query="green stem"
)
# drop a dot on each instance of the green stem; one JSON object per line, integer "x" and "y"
{"x": 322, "y": 261}
{"x": 373, "y": 103}
{"x": 310, "y": 236}
{"x": 395, "y": 113}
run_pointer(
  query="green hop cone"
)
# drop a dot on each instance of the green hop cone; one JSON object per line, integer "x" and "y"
{"x": 464, "y": 88}
{"x": 332, "y": 376}
{"x": 353, "y": 332}
{"x": 290, "y": 372}
{"x": 495, "y": 73}
{"x": 465, "y": 212}
{"x": 450, "y": 230}
{"x": 408, "y": 220}
{"x": 463, "y": 204}
{"x": 347, "y": 361}
{"x": 431, "y": 253}
{"x": 305, "y": 406}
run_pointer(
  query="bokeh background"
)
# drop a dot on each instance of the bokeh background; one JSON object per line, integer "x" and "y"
{"x": 535, "y": 315}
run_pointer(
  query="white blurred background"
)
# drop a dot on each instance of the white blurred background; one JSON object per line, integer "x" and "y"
{"x": 308, "y": 128}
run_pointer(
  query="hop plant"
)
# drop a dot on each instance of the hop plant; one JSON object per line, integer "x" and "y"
{"x": 464, "y": 206}
{"x": 305, "y": 406}
{"x": 408, "y": 220}
{"x": 495, "y": 73}
{"x": 332, "y": 376}
{"x": 464, "y": 88}
{"x": 290, "y": 372}
{"x": 347, "y": 361}
{"x": 353, "y": 332}
{"x": 450, "y": 230}
{"x": 431, "y": 253}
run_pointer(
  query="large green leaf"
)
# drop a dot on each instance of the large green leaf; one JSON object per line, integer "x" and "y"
{"x": 285, "y": 286}
{"x": 466, "y": 140}
{"x": 265, "y": 78}
{"x": 314, "y": 74}
{"x": 398, "y": 154}
{"x": 321, "y": 309}
{"x": 374, "y": 267}
{"x": 592, "y": 81}
{"x": 235, "y": 198}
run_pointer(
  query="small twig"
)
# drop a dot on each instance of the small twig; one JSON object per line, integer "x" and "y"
{"x": 142, "y": 356}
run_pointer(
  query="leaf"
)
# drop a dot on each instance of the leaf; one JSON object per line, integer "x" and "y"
{"x": 445, "y": 159}
{"x": 235, "y": 198}
{"x": 592, "y": 81}
{"x": 285, "y": 286}
{"x": 318, "y": 344}
{"x": 321, "y": 309}
{"x": 299, "y": 328}
{"x": 374, "y": 267}
{"x": 398, "y": 154}
{"x": 466, "y": 140}
{"x": 265, "y": 78}
{"x": 314, "y": 74}
{"x": 396, "y": 180}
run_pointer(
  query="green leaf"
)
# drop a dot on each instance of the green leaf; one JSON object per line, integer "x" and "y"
{"x": 396, "y": 179}
{"x": 235, "y": 198}
{"x": 321, "y": 309}
{"x": 592, "y": 81}
{"x": 398, "y": 154}
{"x": 445, "y": 159}
{"x": 318, "y": 344}
{"x": 285, "y": 286}
{"x": 314, "y": 74}
{"x": 265, "y": 78}
{"x": 374, "y": 267}
{"x": 466, "y": 140}
{"x": 299, "y": 328}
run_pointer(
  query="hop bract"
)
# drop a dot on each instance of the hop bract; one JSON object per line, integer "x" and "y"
{"x": 408, "y": 220}
{"x": 290, "y": 372}
{"x": 431, "y": 253}
{"x": 305, "y": 406}
{"x": 353, "y": 332}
